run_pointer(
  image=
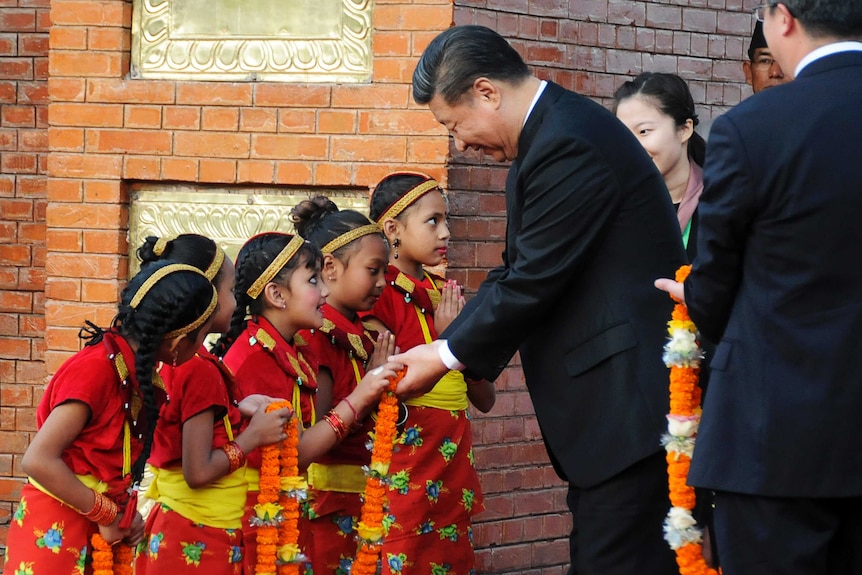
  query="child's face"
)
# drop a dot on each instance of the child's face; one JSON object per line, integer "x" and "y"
{"x": 425, "y": 232}
{"x": 304, "y": 296}
{"x": 357, "y": 286}
{"x": 226, "y": 299}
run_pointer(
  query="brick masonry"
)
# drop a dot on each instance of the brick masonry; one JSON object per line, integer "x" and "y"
{"x": 64, "y": 167}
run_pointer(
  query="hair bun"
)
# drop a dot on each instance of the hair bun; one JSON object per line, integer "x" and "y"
{"x": 307, "y": 215}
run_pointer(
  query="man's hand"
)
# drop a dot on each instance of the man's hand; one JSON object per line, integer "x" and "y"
{"x": 675, "y": 289}
{"x": 424, "y": 369}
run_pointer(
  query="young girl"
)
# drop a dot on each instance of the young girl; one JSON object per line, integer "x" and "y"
{"x": 435, "y": 489}
{"x": 96, "y": 422}
{"x": 198, "y": 462}
{"x": 355, "y": 256}
{"x": 277, "y": 285}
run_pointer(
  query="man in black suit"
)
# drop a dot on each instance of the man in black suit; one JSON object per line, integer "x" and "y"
{"x": 778, "y": 281}
{"x": 588, "y": 221}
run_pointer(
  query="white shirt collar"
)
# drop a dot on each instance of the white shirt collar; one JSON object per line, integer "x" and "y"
{"x": 827, "y": 50}
{"x": 542, "y": 85}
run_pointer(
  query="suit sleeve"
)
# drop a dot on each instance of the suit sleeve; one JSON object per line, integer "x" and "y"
{"x": 726, "y": 211}
{"x": 567, "y": 198}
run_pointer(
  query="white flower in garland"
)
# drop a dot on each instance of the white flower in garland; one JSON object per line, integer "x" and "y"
{"x": 680, "y": 528}
{"x": 682, "y": 349}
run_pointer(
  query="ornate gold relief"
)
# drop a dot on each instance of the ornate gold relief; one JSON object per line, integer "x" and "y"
{"x": 264, "y": 40}
{"x": 227, "y": 215}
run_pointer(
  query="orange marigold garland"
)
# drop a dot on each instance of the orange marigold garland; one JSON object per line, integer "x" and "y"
{"x": 277, "y": 509}
{"x": 370, "y": 529}
{"x": 682, "y": 354}
{"x": 108, "y": 560}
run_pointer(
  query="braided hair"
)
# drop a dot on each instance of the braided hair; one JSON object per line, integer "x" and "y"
{"x": 251, "y": 261}
{"x": 320, "y": 221}
{"x": 193, "y": 249}
{"x": 173, "y": 302}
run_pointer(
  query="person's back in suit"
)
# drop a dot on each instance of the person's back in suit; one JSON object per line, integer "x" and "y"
{"x": 777, "y": 280}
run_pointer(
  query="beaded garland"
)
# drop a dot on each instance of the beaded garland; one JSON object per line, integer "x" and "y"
{"x": 370, "y": 529}
{"x": 682, "y": 354}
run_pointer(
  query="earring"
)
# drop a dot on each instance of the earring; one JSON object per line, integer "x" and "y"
{"x": 395, "y": 243}
{"x": 174, "y": 363}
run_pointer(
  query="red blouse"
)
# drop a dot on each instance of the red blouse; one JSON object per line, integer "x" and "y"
{"x": 91, "y": 377}
{"x": 334, "y": 352}
{"x": 193, "y": 387}
{"x": 264, "y": 362}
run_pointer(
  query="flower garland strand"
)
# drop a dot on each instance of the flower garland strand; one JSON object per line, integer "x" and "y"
{"x": 108, "y": 560}
{"x": 370, "y": 529}
{"x": 277, "y": 510}
{"x": 682, "y": 354}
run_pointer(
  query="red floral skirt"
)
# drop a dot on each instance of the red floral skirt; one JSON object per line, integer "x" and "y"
{"x": 174, "y": 544}
{"x": 47, "y": 536}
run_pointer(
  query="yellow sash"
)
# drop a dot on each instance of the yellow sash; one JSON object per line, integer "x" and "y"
{"x": 220, "y": 504}
{"x": 95, "y": 484}
{"x": 252, "y": 478}
{"x": 336, "y": 477}
{"x": 450, "y": 393}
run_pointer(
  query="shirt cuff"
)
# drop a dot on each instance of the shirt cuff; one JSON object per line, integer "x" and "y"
{"x": 448, "y": 358}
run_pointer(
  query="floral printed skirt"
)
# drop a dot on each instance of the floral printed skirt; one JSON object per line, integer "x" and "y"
{"x": 175, "y": 544}
{"x": 334, "y": 517}
{"x": 433, "y": 492}
{"x": 46, "y": 536}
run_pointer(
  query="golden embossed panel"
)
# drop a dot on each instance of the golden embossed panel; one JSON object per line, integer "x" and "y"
{"x": 227, "y": 215}
{"x": 238, "y": 40}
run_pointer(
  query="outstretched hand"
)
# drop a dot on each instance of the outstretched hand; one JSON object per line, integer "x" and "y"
{"x": 675, "y": 289}
{"x": 424, "y": 369}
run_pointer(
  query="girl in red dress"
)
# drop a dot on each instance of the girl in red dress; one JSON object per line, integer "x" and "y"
{"x": 198, "y": 458}
{"x": 355, "y": 256}
{"x": 96, "y": 423}
{"x": 277, "y": 285}
{"x": 434, "y": 489}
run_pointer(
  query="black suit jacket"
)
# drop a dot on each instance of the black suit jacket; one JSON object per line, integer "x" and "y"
{"x": 590, "y": 226}
{"x": 778, "y": 281}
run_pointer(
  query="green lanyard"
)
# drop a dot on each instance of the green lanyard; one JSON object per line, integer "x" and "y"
{"x": 685, "y": 234}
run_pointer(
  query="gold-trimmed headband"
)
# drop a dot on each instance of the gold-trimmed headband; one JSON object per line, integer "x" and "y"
{"x": 159, "y": 246}
{"x": 273, "y": 268}
{"x": 198, "y": 322}
{"x": 156, "y": 277}
{"x": 408, "y": 199}
{"x": 349, "y": 236}
{"x": 215, "y": 265}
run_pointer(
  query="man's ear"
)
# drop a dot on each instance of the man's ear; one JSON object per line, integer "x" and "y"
{"x": 486, "y": 90}
{"x": 746, "y": 69}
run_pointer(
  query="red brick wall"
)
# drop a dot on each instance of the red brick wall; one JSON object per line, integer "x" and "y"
{"x": 64, "y": 214}
{"x": 23, "y": 162}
